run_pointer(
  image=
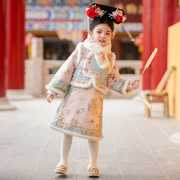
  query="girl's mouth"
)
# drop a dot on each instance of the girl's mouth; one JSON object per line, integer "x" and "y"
{"x": 102, "y": 41}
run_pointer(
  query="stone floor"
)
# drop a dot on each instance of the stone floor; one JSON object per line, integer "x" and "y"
{"x": 134, "y": 147}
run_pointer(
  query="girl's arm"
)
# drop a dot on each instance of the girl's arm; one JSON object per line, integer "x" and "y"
{"x": 49, "y": 97}
{"x": 133, "y": 84}
{"x": 119, "y": 85}
{"x": 60, "y": 82}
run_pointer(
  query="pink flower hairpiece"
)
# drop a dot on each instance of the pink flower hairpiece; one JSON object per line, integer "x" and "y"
{"x": 117, "y": 15}
{"x": 94, "y": 11}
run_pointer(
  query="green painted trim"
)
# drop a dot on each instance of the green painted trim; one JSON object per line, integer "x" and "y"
{"x": 57, "y": 87}
{"x": 120, "y": 89}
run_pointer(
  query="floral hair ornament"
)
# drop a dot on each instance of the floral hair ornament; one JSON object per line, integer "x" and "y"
{"x": 115, "y": 14}
{"x": 98, "y": 10}
{"x": 94, "y": 11}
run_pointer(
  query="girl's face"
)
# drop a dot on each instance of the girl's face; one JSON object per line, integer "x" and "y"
{"x": 102, "y": 34}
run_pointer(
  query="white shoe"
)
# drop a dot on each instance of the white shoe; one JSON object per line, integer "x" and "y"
{"x": 93, "y": 171}
{"x": 61, "y": 169}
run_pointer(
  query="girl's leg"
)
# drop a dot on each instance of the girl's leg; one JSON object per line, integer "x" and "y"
{"x": 65, "y": 148}
{"x": 62, "y": 166}
{"x": 93, "y": 153}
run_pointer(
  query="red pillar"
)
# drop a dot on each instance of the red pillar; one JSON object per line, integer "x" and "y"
{"x": 147, "y": 41}
{"x": 162, "y": 19}
{"x": 116, "y": 48}
{"x": 85, "y": 34}
{"x": 16, "y": 43}
{"x": 3, "y": 48}
{"x": 4, "y": 103}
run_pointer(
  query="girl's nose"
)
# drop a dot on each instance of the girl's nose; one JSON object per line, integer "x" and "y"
{"x": 102, "y": 35}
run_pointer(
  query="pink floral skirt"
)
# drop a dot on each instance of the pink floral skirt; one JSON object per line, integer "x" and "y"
{"x": 80, "y": 113}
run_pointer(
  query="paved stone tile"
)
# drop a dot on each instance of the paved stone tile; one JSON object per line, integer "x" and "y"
{"x": 172, "y": 169}
{"x": 56, "y": 139}
{"x": 152, "y": 170}
{"x": 130, "y": 157}
{"x": 20, "y": 161}
{"x": 52, "y": 157}
{"x": 14, "y": 176}
{"x": 145, "y": 178}
{"x": 168, "y": 155}
{"x": 3, "y": 152}
{"x": 169, "y": 125}
{"x": 15, "y": 173}
{"x": 158, "y": 143}
{"x": 108, "y": 170}
{"x": 134, "y": 147}
{"x": 54, "y": 176}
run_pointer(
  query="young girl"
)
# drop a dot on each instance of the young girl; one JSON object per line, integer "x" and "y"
{"x": 84, "y": 78}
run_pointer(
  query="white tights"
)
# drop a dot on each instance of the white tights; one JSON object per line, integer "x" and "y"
{"x": 66, "y": 145}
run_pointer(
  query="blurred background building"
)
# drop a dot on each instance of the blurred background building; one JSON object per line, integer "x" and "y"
{"x": 63, "y": 23}
{"x": 38, "y": 35}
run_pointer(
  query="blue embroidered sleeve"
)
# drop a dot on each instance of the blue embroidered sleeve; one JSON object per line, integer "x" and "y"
{"x": 60, "y": 82}
{"x": 119, "y": 85}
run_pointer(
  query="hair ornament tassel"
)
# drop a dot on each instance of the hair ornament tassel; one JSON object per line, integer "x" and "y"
{"x": 129, "y": 34}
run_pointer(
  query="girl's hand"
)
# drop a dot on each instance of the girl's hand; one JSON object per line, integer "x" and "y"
{"x": 49, "y": 98}
{"x": 134, "y": 84}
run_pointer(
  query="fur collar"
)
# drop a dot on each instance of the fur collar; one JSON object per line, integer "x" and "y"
{"x": 99, "y": 52}
{"x": 95, "y": 47}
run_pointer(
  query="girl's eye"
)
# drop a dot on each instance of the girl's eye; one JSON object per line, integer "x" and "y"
{"x": 99, "y": 31}
{"x": 107, "y": 33}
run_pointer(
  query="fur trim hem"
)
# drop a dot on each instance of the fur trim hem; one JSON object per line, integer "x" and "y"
{"x": 127, "y": 92}
{"x": 75, "y": 134}
{"x": 57, "y": 92}
{"x": 50, "y": 92}
{"x": 92, "y": 80}
{"x": 97, "y": 88}
{"x": 81, "y": 85}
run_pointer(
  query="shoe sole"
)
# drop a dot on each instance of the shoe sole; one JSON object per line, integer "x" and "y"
{"x": 93, "y": 174}
{"x": 60, "y": 172}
